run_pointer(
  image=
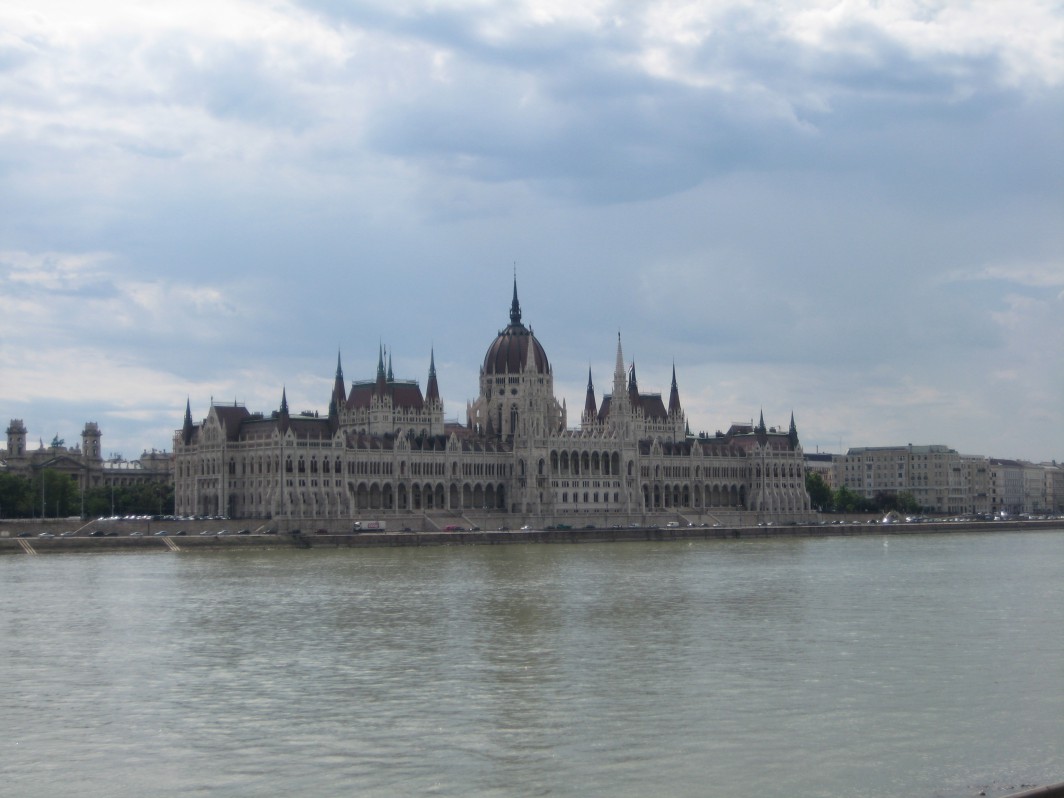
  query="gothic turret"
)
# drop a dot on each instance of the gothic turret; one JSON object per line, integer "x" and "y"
{"x": 674, "y": 397}
{"x": 432, "y": 389}
{"x": 339, "y": 395}
{"x": 382, "y": 377}
{"x": 515, "y": 306}
{"x": 283, "y": 418}
{"x": 590, "y": 405}
{"x": 186, "y": 428}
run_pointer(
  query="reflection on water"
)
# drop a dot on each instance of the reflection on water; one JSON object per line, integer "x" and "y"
{"x": 812, "y": 667}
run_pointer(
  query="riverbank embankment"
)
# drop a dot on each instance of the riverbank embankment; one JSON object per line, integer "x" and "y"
{"x": 164, "y": 540}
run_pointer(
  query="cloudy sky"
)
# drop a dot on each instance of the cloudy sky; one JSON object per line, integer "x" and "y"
{"x": 849, "y": 210}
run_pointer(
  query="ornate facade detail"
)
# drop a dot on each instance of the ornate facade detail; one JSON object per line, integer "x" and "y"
{"x": 383, "y": 449}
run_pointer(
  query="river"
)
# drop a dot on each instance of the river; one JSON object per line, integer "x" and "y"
{"x": 915, "y": 665}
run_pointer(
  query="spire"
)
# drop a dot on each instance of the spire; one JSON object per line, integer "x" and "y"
{"x": 515, "y": 306}
{"x": 432, "y": 390}
{"x": 619, "y": 399}
{"x": 590, "y": 405}
{"x": 792, "y": 433}
{"x": 674, "y": 395}
{"x": 186, "y": 429}
{"x": 283, "y": 415}
{"x": 339, "y": 394}
{"x": 382, "y": 378}
{"x": 760, "y": 429}
{"x": 391, "y": 377}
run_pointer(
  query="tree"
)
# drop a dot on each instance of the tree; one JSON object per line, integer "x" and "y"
{"x": 848, "y": 501}
{"x": 907, "y": 503}
{"x": 143, "y": 498}
{"x": 55, "y": 495}
{"x": 16, "y": 496}
{"x": 900, "y": 502}
{"x": 819, "y": 491}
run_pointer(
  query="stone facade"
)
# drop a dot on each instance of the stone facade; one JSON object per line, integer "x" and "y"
{"x": 84, "y": 463}
{"x": 932, "y": 474}
{"x": 384, "y": 450}
{"x": 943, "y": 481}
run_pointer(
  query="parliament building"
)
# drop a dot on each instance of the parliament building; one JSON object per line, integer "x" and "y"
{"x": 384, "y": 452}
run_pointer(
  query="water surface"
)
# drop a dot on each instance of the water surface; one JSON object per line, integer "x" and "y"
{"x": 915, "y": 665}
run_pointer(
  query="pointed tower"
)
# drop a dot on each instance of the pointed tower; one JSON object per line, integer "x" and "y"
{"x": 680, "y": 430}
{"x": 284, "y": 420}
{"x": 674, "y": 396}
{"x": 761, "y": 429}
{"x": 633, "y": 387}
{"x": 590, "y": 405}
{"x": 432, "y": 389}
{"x": 186, "y": 428}
{"x": 515, "y": 306}
{"x": 618, "y": 399}
{"x": 339, "y": 395}
{"x": 792, "y": 433}
{"x": 382, "y": 377}
{"x": 391, "y": 375}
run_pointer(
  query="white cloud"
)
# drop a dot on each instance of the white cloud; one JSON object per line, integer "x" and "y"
{"x": 1038, "y": 275}
{"x": 851, "y": 208}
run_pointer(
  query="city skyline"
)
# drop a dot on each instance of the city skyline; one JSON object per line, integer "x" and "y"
{"x": 845, "y": 212}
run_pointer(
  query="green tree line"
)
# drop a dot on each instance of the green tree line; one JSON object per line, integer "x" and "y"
{"x": 50, "y": 494}
{"x": 844, "y": 500}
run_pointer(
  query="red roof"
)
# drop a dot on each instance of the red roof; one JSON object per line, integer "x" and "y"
{"x": 508, "y": 353}
{"x": 404, "y": 394}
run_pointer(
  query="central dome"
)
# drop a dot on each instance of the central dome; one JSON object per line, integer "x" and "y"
{"x": 508, "y": 353}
